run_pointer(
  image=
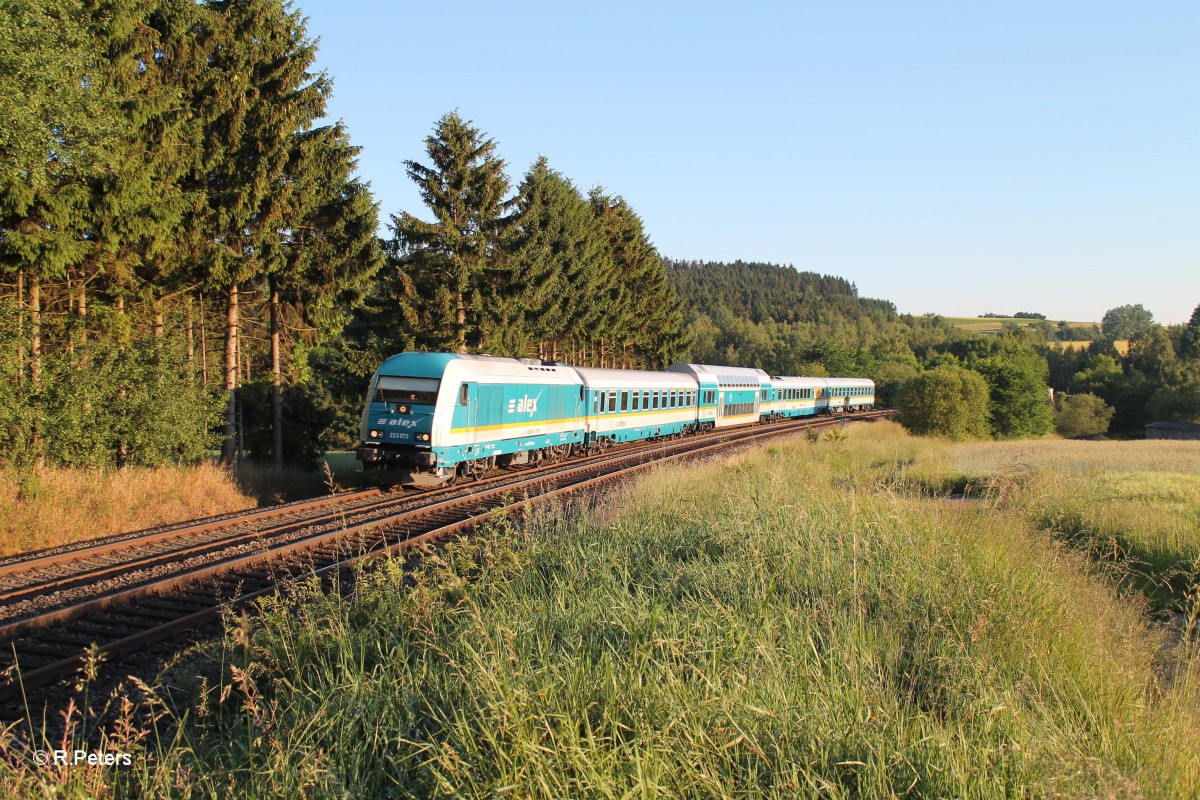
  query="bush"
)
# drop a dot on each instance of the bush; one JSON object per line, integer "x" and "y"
{"x": 1082, "y": 415}
{"x": 945, "y": 401}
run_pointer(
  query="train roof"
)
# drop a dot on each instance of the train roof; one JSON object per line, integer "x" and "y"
{"x": 469, "y": 367}
{"x": 793, "y": 380}
{"x": 801, "y": 382}
{"x": 708, "y": 374}
{"x": 595, "y": 378}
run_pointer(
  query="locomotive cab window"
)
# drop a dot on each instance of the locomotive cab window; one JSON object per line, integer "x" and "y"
{"x": 464, "y": 394}
{"x": 407, "y": 391}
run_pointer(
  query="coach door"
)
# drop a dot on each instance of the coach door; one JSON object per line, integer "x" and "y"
{"x": 720, "y": 405}
{"x": 468, "y": 396}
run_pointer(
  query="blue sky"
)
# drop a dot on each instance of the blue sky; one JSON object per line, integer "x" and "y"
{"x": 955, "y": 158}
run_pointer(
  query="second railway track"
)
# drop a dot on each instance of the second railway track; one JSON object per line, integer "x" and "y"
{"x": 124, "y": 593}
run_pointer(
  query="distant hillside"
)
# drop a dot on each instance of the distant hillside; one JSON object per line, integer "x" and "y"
{"x": 789, "y": 322}
{"x": 760, "y": 292}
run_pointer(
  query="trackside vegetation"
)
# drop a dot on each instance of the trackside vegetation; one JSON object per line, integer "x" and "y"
{"x": 1131, "y": 505}
{"x": 797, "y": 621}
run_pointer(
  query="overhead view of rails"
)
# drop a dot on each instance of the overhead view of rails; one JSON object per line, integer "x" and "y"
{"x": 524, "y": 431}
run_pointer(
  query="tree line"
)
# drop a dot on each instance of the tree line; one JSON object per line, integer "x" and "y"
{"x": 167, "y": 184}
{"x": 187, "y": 260}
{"x": 545, "y": 271}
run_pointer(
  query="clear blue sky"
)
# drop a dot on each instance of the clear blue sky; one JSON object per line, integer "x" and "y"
{"x": 952, "y": 157}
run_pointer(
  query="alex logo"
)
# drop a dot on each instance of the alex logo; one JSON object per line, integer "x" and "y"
{"x": 403, "y": 422}
{"x": 526, "y": 405}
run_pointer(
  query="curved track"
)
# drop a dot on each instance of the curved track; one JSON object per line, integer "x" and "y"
{"x": 120, "y": 594}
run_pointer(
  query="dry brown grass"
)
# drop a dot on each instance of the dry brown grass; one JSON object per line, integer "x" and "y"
{"x": 57, "y": 506}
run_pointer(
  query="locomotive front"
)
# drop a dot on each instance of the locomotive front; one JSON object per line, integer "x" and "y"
{"x": 399, "y": 419}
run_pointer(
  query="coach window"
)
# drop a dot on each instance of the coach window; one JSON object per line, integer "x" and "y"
{"x": 624, "y": 401}
{"x": 612, "y": 402}
{"x": 637, "y": 401}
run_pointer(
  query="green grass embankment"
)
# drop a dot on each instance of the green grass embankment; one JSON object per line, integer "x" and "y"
{"x": 1134, "y": 506}
{"x": 779, "y": 624}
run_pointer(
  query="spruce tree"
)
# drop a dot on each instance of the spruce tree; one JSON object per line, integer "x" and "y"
{"x": 556, "y": 247}
{"x": 255, "y": 95}
{"x": 329, "y": 252}
{"x": 1189, "y": 341}
{"x": 646, "y": 319}
{"x": 57, "y": 128}
{"x": 446, "y": 261}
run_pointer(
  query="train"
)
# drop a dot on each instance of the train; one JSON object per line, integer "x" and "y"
{"x": 438, "y": 417}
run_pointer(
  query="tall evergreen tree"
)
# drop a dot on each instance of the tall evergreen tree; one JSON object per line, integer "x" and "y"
{"x": 256, "y": 95}
{"x": 55, "y": 137}
{"x": 556, "y": 248}
{"x": 1189, "y": 341}
{"x": 329, "y": 251}
{"x": 646, "y": 320}
{"x": 446, "y": 260}
{"x": 137, "y": 200}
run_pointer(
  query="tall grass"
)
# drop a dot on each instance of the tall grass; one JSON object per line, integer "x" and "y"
{"x": 1135, "y": 505}
{"x": 50, "y": 507}
{"x": 780, "y": 624}
{"x": 55, "y": 506}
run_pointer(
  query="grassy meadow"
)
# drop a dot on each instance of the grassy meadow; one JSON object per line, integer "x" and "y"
{"x": 809, "y": 619}
{"x": 1134, "y": 506}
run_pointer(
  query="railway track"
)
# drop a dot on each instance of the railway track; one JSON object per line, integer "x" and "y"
{"x": 119, "y": 595}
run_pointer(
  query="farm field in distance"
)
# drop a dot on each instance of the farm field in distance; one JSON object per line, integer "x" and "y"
{"x": 861, "y": 614}
{"x": 996, "y": 324}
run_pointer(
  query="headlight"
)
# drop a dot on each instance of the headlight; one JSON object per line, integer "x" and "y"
{"x": 424, "y": 437}
{"x": 402, "y": 409}
{"x": 376, "y": 434}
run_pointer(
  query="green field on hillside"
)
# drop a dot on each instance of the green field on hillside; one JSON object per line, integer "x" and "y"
{"x": 863, "y": 615}
{"x": 996, "y": 324}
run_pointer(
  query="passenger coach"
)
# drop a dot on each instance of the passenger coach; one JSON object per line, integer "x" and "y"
{"x": 730, "y": 395}
{"x": 623, "y": 405}
{"x": 849, "y": 394}
{"x": 793, "y": 397}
